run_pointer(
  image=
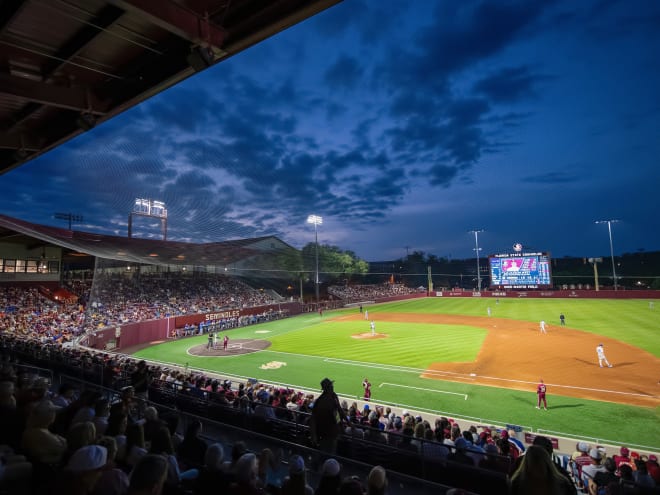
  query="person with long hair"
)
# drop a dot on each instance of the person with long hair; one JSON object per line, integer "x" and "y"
{"x": 537, "y": 475}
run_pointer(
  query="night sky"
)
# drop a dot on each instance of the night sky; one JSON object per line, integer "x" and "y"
{"x": 403, "y": 124}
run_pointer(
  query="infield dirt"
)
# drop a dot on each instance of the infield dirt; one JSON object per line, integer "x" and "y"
{"x": 516, "y": 355}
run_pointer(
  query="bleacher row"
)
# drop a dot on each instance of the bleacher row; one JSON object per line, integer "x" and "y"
{"x": 289, "y": 426}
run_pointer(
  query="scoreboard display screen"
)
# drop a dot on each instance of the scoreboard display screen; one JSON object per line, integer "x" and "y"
{"x": 520, "y": 271}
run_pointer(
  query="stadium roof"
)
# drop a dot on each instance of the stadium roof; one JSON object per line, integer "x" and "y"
{"x": 66, "y": 65}
{"x": 148, "y": 251}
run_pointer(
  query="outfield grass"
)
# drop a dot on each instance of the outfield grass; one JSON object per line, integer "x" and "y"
{"x": 309, "y": 347}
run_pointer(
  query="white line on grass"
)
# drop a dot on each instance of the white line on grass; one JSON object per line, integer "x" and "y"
{"x": 438, "y": 373}
{"x": 425, "y": 389}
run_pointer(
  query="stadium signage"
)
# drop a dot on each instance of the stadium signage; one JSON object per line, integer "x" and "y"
{"x": 522, "y": 270}
{"x": 224, "y": 314}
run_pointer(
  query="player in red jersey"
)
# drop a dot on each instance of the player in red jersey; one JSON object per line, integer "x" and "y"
{"x": 225, "y": 343}
{"x": 540, "y": 392}
{"x": 366, "y": 385}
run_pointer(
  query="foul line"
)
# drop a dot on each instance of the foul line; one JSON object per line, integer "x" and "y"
{"x": 425, "y": 389}
{"x": 439, "y": 373}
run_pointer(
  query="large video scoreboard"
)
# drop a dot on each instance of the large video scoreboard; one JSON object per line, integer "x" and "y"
{"x": 520, "y": 271}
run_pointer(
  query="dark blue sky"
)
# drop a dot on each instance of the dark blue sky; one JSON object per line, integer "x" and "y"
{"x": 403, "y": 124}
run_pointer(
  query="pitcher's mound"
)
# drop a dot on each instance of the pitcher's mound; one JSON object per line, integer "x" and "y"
{"x": 235, "y": 348}
{"x": 369, "y": 336}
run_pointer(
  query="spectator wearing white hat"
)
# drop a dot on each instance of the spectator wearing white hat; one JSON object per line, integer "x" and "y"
{"x": 330, "y": 478}
{"x": 82, "y": 471}
{"x": 588, "y": 472}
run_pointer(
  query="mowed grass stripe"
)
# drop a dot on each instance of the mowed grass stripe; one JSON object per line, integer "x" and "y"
{"x": 416, "y": 345}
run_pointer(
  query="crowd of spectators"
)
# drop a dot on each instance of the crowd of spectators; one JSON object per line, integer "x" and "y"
{"x": 113, "y": 300}
{"x": 368, "y": 292}
{"x": 50, "y": 429}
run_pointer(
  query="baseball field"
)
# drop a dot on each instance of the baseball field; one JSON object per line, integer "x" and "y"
{"x": 445, "y": 356}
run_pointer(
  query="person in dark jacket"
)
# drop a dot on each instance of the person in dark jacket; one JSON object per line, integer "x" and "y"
{"x": 327, "y": 418}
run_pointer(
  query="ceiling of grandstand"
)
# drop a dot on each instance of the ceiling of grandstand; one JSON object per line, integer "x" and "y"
{"x": 148, "y": 251}
{"x": 67, "y": 65}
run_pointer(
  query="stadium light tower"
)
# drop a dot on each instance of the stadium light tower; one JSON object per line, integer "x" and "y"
{"x": 476, "y": 243}
{"x": 609, "y": 229}
{"x": 316, "y": 220}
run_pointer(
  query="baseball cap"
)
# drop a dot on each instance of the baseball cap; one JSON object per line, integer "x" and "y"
{"x": 583, "y": 447}
{"x": 296, "y": 464}
{"x": 594, "y": 454}
{"x": 653, "y": 458}
{"x": 625, "y": 451}
{"x": 88, "y": 458}
{"x": 330, "y": 468}
{"x": 44, "y": 407}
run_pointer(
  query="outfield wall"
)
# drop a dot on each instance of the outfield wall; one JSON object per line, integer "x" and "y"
{"x": 549, "y": 294}
{"x": 133, "y": 334}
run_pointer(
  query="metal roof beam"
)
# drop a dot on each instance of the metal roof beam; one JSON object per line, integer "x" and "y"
{"x": 78, "y": 99}
{"x": 103, "y": 20}
{"x": 16, "y": 141}
{"x": 177, "y": 19}
{"x": 9, "y": 10}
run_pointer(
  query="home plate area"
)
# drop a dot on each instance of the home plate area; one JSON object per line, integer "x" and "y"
{"x": 234, "y": 348}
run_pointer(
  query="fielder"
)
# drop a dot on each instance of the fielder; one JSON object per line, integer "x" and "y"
{"x": 366, "y": 385}
{"x": 540, "y": 392}
{"x": 542, "y": 326}
{"x": 601, "y": 356}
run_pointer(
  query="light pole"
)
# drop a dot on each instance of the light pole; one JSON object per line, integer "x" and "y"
{"x": 609, "y": 229}
{"x": 316, "y": 220}
{"x": 476, "y": 243}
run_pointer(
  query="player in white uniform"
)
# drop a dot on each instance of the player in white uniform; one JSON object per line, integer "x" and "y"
{"x": 601, "y": 356}
{"x": 542, "y": 326}
{"x": 373, "y": 327}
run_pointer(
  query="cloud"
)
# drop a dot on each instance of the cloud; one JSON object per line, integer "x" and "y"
{"x": 509, "y": 85}
{"x": 344, "y": 73}
{"x": 550, "y": 178}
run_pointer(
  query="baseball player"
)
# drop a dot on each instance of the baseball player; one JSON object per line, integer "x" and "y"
{"x": 540, "y": 393}
{"x": 542, "y": 326}
{"x": 373, "y": 328}
{"x": 366, "y": 385}
{"x": 601, "y": 356}
{"x": 225, "y": 342}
